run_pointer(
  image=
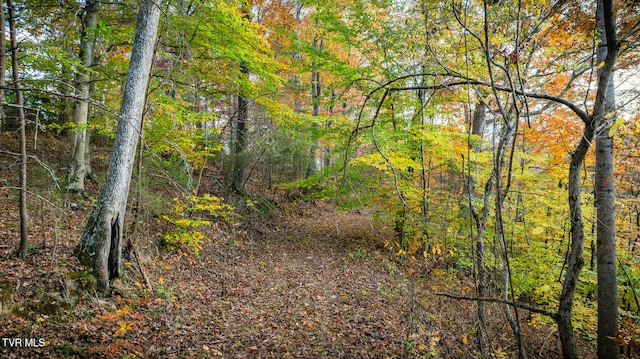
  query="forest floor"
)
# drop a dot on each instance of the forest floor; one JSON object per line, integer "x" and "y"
{"x": 304, "y": 281}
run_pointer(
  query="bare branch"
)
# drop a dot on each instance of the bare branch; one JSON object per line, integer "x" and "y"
{"x": 516, "y": 304}
{"x": 42, "y": 164}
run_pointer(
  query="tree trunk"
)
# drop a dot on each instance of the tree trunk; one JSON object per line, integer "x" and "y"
{"x": 607, "y": 288}
{"x": 604, "y": 114}
{"x": 3, "y": 65}
{"x": 479, "y": 122}
{"x": 508, "y": 135}
{"x": 478, "y": 240}
{"x": 297, "y": 57}
{"x": 78, "y": 168}
{"x": 481, "y": 271}
{"x": 576, "y": 258}
{"x": 24, "y": 218}
{"x": 239, "y": 174}
{"x": 100, "y": 245}
{"x": 316, "y": 88}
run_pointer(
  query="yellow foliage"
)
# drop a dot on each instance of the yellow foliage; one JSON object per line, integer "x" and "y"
{"x": 124, "y": 327}
{"x": 187, "y": 233}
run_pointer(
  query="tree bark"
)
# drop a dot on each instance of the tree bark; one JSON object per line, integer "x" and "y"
{"x": 297, "y": 57}
{"x": 481, "y": 271}
{"x": 100, "y": 246}
{"x": 576, "y": 256}
{"x": 79, "y": 168}
{"x": 604, "y": 115}
{"x": 316, "y": 88}
{"x": 481, "y": 225}
{"x": 239, "y": 174}
{"x": 24, "y": 218}
{"x": 239, "y": 126}
{"x": 3, "y": 65}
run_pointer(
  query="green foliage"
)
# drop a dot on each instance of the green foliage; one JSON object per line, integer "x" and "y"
{"x": 187, "y": 232}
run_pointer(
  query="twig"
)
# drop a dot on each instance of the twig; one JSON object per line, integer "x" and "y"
{"x": 141, "y": 268}
{"x": 545, "y": 342}
{"x": 514, "y": 303}
{"x": 631, "y": 284}
{"x": 37, "y": 195}
{"x": 46, "y": 167}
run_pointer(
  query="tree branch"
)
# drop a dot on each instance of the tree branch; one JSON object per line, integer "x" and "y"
{"x": 516, "y": 304}
{"x": 583, "y": 115}
{"x": 46, "y": 167}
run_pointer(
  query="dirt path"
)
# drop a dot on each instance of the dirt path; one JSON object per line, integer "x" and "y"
{"x": 303, "y": 288}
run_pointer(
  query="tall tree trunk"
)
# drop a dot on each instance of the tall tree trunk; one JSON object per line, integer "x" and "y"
{"x": 297, "y": 57}
{"x": 239, "y": 173}
{"x": 576, "y": 255}
{"x": 477, "y": 128}
{"x": 3, "y": 65}
{"x": 24, "y": 218}
{"x": 100, "y": 245}
{"x": 607, "y": 287}
{"x": 508, "y": 137}
{"x": 316, "y": 88}
{"x": 24, "y": 229}
{"x": 79, "y": 168}
{"x": 239, "y": 126}
{"x": 481, "y": 271}
{"x": 481, "y": 224}
{"x": 66, "y": 89}
{"x": 604, "y": 114}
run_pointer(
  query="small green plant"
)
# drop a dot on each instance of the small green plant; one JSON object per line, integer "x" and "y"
{"x": 360, "y": 254}
{"x": 187, "y": 233}
{"x": 166, "y": 293}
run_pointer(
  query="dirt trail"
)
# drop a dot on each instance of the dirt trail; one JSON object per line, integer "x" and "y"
{"x": 303, "y": 287}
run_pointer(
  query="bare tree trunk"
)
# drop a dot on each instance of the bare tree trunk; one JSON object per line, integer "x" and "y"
{"x": 576, "y": 255}
{"x": 481, "y": 272}
{"x": 509, "y": 135}
{"x": 24, "y": 218}
{"x": 607, "y": 287}
{"x": 239, "y": 173}
{"x": 66, "y": 89}
{"x": 478, "y": 240}
{"x": 297, "y": 57}
{"x": 3, "y": 65}
{"x": 316, "y": 88}
{"x": 479, "y": 122}
{"x": 100, "y": 245}
{"x": 79, "y": 168}
{"x": 604, "y": 114}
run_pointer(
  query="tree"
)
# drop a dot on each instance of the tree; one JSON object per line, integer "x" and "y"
{"x": 316, "y": 88}
{"x": 24, "y": 218}
{"x": 239, "y": 126}
{"x": 79, "y": 165}
{"x": 100, "y": 245}
{"x": 604, "y": 115}
{"x": 3, "y": 65}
